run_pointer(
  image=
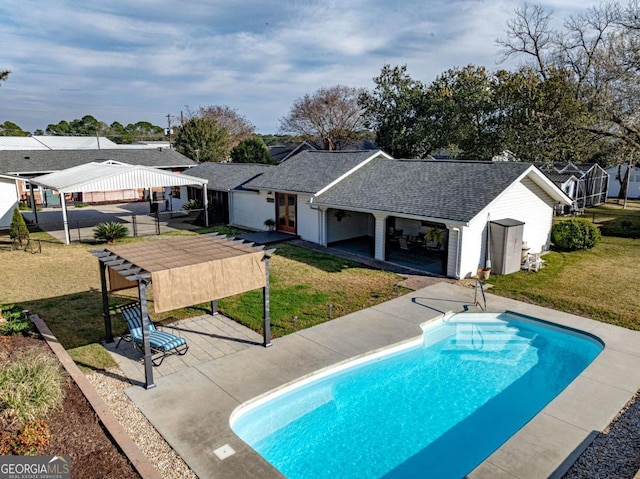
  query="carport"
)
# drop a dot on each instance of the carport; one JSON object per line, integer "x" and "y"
{"x": 184, "y": 271}
{"x": 110, "y": 176}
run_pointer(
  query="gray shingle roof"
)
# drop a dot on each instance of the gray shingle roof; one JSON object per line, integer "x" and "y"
{"x": 227, "y": 176}
{"x": 309, "y": 171}
{"x": 45, "y": 161}
{"x": 451, "y": 190}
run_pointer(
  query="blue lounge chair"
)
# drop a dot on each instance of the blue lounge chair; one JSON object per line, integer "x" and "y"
{"x": 163, "y": 344}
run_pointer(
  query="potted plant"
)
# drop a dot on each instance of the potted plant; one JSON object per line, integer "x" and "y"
{"x": 435, "y": 236}
{"x": 339, "y": 214}
{"x": 270, "y": 223}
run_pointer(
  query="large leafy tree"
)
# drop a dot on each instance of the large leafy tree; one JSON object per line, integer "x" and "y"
{"x": 601, "y": 50}
{"x": 251, "y": 150}
{"x": 85, "y": 126}
{"x": 203, "y": 139}
{"x": 8, "y": 128}
{"x": 397, "y": 111}
{"x": 328, "y": 119}
{"x": 237, "y": 126}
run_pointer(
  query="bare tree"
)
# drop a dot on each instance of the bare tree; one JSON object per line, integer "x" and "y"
{"x": 328, "y": 118}
{"x": 601, "y": 48}
{"x": 530, "y": 34}
{"x": 4, "y": 74}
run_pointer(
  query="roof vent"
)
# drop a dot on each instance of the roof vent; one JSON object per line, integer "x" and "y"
{"x": 27, "y": 158}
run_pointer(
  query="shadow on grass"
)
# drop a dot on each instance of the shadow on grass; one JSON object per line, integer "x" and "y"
{"x": 323, "y": 261}
{"x": 622, "y": 227}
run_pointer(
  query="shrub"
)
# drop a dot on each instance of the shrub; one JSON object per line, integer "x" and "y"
{"x": 31, "y": 386}
{"x": 110, "y": 231}
{"x": 18, "y": 228}
{"x": 191, "y": 205}
{"x": 12, "y": 321}
{"x": 575, "y": 234}
{"x": 29, "y": 441}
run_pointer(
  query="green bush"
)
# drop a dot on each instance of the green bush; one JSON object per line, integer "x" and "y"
{"x": 110, "y": 231}
{"x": 18, "y": 228}
{"x": 15, "y": 322}
{"x": 31, "y": 386}
{"x": 191, "y": 205}
{"x": 575, "y": 234}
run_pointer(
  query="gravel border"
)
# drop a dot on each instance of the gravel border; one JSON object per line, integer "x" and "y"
{"x": 615, "y": 452}
{"x": 110, "y": 385}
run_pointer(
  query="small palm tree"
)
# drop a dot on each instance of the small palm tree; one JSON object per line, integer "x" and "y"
{"x": 110, "y": 231}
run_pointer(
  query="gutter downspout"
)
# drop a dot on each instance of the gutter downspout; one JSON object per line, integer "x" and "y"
{"x": 458, "y": 243}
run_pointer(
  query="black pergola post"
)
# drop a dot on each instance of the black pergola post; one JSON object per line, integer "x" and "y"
{"x": 108, "y": 333}
{"x": 265, "y": 300}
{"x": 144, "y": 314}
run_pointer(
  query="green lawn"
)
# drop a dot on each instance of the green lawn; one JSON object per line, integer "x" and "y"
{"x": 62, "y": 286}
{"x": 601, "y": 283}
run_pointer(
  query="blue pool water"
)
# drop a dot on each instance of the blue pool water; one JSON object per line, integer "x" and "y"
{"x": 432, "y": 408}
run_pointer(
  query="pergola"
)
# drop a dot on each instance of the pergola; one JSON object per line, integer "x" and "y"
{"x": 184, "y": 271}
{"x": 109, "y": 176}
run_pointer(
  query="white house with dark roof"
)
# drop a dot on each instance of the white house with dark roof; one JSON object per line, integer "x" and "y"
{"x": 458, "y": 199}
{"x": 226, "y": 183}
{"x": 284, "y": 193}
{"x": 434, "y": 215}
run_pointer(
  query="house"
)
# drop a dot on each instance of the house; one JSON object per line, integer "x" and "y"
{"x": 445, "y": 208}
{"x": 588, "y": 186}
{"x": 617, "y": 174}
{"x": 27, "y": 164}
{"x": 432, "y": 214}
{"x": 226, "y": 181}
{"x": 8, "y": 199}
{"x": 280, "y": 153}
{"x": 285, "y": 192}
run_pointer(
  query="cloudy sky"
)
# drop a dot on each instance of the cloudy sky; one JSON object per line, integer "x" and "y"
{"x": 138, "y": 60}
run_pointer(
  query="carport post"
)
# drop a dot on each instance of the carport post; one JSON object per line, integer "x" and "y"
{"x": 265, "y": 296}
{"x": 63, "y": 203}
{"x": 144, "y": 314}
{"x": 205, "y": 202}
{"x": 108, "y": 333}
{"x": 33, "y": 202}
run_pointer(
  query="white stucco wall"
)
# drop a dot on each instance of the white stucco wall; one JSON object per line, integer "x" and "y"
{"x": 524, "y": 201}
{"x": 8, "y": 201}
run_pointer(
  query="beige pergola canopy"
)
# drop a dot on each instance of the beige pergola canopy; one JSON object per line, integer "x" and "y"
{"x": 184, "y": 271}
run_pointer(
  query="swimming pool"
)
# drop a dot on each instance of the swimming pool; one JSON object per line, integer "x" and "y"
{"x": 433, "y": 407}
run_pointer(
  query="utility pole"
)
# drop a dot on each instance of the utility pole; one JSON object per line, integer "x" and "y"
{"x": 169, "y": 128}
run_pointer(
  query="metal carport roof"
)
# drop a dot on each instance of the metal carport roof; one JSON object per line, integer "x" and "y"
{"x": 111, "y": 176}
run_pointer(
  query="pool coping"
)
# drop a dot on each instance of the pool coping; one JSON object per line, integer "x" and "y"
{"x": 183, "y": 403}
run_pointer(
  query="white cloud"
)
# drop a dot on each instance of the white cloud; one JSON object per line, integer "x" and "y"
{"x": 131, "y": 60}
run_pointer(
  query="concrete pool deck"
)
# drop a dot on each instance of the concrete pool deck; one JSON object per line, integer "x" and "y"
{"x": 191, "y": 407}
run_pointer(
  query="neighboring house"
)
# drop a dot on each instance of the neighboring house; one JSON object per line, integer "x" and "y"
{"x": 226, "y": 181}
{"x": 29, "y": 163}
{"x": 285, "y": 192}
{"x": 280, "y": 153}
{"x": 8, "y": 199}
{"x": 617, "y": 174}
{"x": 589, "y": 187}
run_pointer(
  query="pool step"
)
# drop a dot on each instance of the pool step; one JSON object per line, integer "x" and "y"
{"x": 486, "y": 338}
